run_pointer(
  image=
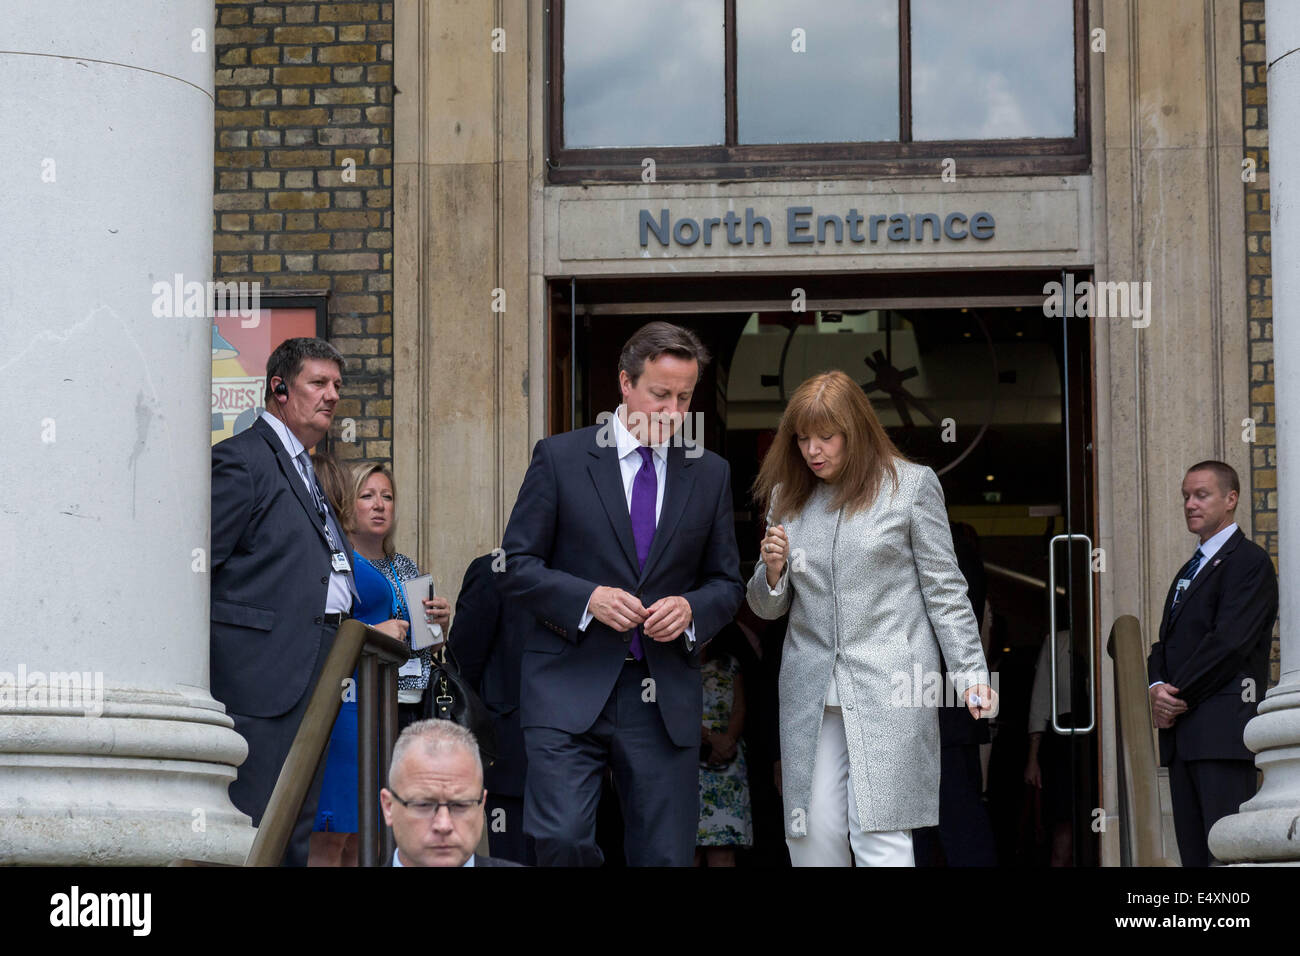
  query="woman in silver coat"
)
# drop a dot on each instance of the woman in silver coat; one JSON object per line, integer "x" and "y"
{"x": 859, "y": 551}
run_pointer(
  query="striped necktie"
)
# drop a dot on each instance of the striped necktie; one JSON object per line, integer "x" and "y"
{"x": 1188, "y": 572}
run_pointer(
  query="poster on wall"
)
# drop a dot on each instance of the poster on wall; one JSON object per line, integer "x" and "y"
{"x": 240, "y": 347}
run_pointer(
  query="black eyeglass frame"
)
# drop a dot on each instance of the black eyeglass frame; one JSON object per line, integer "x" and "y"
{"x": 451, "y": 805}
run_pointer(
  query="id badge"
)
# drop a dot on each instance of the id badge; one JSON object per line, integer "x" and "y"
{"x": 412, "y": 668}
{"x": 339, "y": 562}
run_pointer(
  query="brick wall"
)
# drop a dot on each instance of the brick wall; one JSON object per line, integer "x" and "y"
{"x": 1259, "y": 288}
{"x": 303, "y": 87}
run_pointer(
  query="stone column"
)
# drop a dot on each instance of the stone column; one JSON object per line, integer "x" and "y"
{"x": 1265, "y": 831}
{"x": 112, "y": 750}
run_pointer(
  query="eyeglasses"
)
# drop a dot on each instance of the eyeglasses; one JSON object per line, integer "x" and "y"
{"x": 423, "y": 809}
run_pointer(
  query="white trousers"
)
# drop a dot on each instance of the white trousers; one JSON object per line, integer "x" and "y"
{"x": 832, "y": 821}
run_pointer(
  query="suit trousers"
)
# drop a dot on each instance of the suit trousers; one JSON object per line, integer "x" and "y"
{"x": 1203, "y": 791}
{"x": 964, "y": 833}
{"x": 835, "y": 836}
{"x": 269, "y": 740}
{"x": 658, "y": 784}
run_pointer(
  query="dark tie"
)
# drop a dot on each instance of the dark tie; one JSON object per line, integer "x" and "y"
{"x": 1188, "y": 572}
{"x": 333, "y": 532}
{"x": 645, "y": 489}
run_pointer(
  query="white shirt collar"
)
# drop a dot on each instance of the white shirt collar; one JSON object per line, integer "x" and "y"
{"x": 1211, "y": 547}
{"x": 287, "y": 437}
{"x": 397, "y": 861}
{"x": 627, "y": 442}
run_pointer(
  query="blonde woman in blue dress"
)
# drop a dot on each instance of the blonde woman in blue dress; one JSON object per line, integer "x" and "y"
{"x": 859, "y": 552}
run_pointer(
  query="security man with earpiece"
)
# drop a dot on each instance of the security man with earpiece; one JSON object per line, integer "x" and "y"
{"x": 281, "y": 576}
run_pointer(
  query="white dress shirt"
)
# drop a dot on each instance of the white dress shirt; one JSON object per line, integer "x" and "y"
{"x": 1208, "y": 550}
{"x": 339, "y": 596}
{"x": 398, "y": 862}
{"x": 1211, "y": 547}
{"x": 629, "y": 463}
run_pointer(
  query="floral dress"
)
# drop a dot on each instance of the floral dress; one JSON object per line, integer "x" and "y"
{"x": 724, "y": 794}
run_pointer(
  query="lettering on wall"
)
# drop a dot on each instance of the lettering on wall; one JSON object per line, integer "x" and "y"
{"x": 805, "y": 227}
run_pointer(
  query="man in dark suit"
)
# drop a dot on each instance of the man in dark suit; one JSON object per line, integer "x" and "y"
{"x": 281, "y": 577}
{"x": 487, "y": 639}
{"x": 964, "y": 836}
{"x": 434, "y": 798}
{"x": 622, "y": 546}
{"x": 1210, "y": 664}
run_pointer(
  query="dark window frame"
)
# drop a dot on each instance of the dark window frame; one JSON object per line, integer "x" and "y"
{"x": 733, "y": 161}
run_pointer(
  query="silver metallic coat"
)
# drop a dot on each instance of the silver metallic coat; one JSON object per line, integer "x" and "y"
{"x": 872, "y": 598}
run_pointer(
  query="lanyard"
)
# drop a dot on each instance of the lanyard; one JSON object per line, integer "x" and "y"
{"x": 398, "y": 590}
{"x": 318, "y": 498}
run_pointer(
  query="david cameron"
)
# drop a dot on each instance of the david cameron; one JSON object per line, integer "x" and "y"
{"x": 622, "y": 549}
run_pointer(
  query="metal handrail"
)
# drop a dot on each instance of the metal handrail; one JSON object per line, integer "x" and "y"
{"x": 1141, "y": 841}
{"x": 379, "y": 657}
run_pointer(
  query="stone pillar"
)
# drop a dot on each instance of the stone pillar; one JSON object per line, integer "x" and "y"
{"x": 1265, "y": 831}
{"x": 112, "y": 751}
{"x": 461, "y": 188}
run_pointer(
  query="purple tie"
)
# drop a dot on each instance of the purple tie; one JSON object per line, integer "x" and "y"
{"x": 645, "y": 489}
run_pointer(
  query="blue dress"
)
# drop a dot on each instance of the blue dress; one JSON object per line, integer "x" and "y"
{"x": 337, "y": 809}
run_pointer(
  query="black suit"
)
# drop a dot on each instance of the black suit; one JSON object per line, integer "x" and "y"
{"x": 1213, "y": 646}
{"x": 964, "y": 833}
{"x": 270, "y": 577}
{"x": 583, "y": 706}
{"x": 487, "y": 639}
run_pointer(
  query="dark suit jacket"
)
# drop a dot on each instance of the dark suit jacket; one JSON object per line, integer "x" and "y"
{"x": 487, "y": 640}
{"x": 1210, "y": 644}
{"x": 956, "y": 725}
{"x": 270, "y": 568}
{"x": 570, "y": 532}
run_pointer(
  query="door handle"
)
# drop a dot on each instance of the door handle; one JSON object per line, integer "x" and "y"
{"x": 1051, "y": 614}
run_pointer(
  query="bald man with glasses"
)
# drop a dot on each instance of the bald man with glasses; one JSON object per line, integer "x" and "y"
{"x": 435, "y": 796}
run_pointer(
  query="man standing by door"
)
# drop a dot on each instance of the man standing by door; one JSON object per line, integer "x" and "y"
{"x": 1210, "y": 664}
{"x": 622, "y": 547}
{"x": 281, "y": 575}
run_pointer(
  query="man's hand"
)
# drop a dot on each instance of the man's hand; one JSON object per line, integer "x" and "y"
{"x": 616, "y": 608}
{"x": 1165, "y": 707}
{"x": 668, "y": 617}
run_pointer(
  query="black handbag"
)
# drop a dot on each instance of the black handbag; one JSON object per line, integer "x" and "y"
{"x": 449, "y": 697}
